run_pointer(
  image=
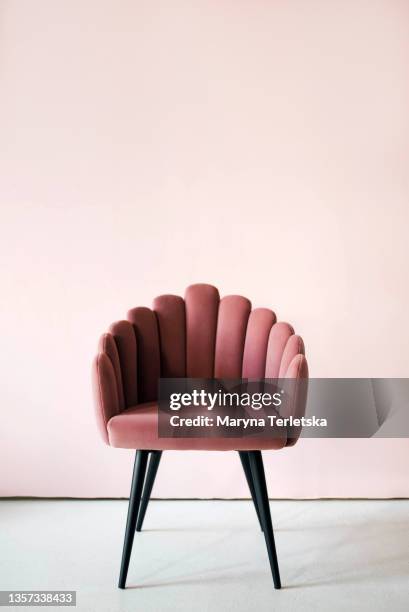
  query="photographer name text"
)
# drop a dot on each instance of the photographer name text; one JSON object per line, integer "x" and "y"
{"x": 244, "y": 423}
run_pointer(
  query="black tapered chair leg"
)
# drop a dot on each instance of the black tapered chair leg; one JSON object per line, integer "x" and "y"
{"x": 147, "y": 489}
{"x": 247, "y": 471}
{"x": 257, "y": 470}
{"x": 139, "y": 470}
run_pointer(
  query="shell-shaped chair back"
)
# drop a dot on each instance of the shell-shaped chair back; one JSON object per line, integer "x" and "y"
{"x": 200, "y": 336}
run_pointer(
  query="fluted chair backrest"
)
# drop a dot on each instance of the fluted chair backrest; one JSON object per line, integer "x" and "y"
{"x": 200, "y": 336}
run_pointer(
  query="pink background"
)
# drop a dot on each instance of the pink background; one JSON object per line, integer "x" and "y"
{"x": 259, "y": 146}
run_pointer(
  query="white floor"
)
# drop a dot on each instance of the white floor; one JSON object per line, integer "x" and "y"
{"x": 210, "y": 555}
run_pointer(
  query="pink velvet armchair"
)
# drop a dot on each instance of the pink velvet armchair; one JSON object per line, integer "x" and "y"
{"x": 200, "y": 336}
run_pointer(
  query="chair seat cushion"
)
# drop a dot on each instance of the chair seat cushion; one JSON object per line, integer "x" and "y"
{"x": 137, "y": 428}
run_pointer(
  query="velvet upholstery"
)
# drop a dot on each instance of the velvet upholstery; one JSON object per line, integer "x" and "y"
{"x": 200, "y": 336}
{"x": 140, "y": 425}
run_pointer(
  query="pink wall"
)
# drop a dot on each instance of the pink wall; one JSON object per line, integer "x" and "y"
{"x": 262, "y": 147}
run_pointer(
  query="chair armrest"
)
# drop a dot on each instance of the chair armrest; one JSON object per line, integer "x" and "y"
{"x": 297, "y": 376}
{"x": 105, "y": 392}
